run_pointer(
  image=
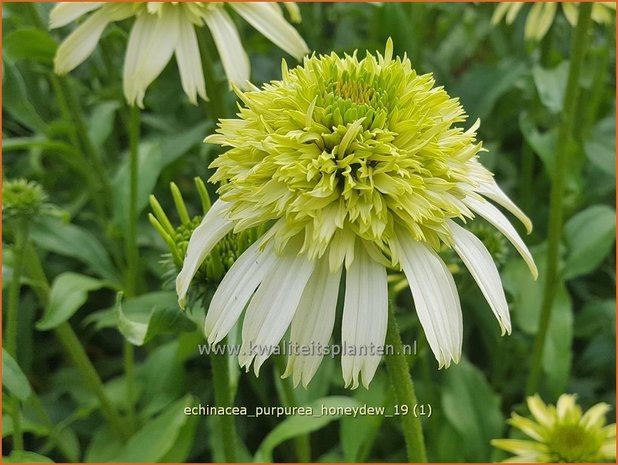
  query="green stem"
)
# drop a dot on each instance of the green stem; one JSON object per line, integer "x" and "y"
{"x": 132, "y": 253}
{"x": 302, "y": 443}
{"x": 131, "y": 238}
{"x": 561, "y": 163}
{"x": 10, "y": 334}
{"x": 73, "y": 346}
{"x": 399, "y": 373}
{"x": 221, "y": 378}
{"x": 76, "y": 351}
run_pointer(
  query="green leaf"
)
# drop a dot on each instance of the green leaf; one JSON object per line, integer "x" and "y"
{"x": 551, "y": 85}
{"x": 23, "y": 456}
{"x": 594, "y": 318}
{"x": 101, "y": 122}
{"x": 472, "y": 408}
{"x": 358, "y": 433}
{"x": 600, "y": 147}
{"x": 157, "y": 437}
{"x": 69, "y": 292}
{"x": 135, "y": 308}
{"x": 542, "y": 143}
{"x": 13, "y": 379}
{"x": 590, "y": 236}
{"x": 481, "y": 87}
{"x": 557, "y": 353}
{"x": 76, "y": 242}
{"x": 160, "y": 320}
{"x": 15, "y": 99}
{"x": 29, "y": 43}
{"x": 104, "y": 446}
{"x": 301, "y": 424}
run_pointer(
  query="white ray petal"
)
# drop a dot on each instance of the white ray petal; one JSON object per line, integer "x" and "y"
{"x": 482, "y": 267}
{"x": 273, "y": 306}
{"x": 211, "y": 230}
{"x": 65, "y": 12}
{"x": 365, "y": 315}
{"x": 236, "y": 288}
{"x": 232, "y": 54}
{"x": 313, "y": 322}
{"x": 435, "y": 297}
{"x": 502, "y": 224}
{"x": 189, "y": 61}
{"x": 492, "y": 191}
{"x": 83, "y": 40}
{"x": 151, "y": 45}
{"x": 271, "y": 23}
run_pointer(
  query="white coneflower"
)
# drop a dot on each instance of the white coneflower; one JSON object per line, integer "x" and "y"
{"x": 541, "y": 15}
{"x": 357, "y": 163}
{"x": 165, "y": 29}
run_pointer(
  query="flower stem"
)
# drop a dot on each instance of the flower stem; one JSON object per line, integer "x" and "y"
{"x": 21, "y": 239}
{"x": 221, "y": 378}
{"x": 302, "y": 443}
{"x": 73, "y": 346}
{"x": 399, "y": 372}
{"x": 561, "y": 163}
{"x": 132, "y": 254}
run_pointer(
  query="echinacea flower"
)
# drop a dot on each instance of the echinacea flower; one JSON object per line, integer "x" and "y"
{"x": 164, "y": 29}
{"x": 356, "y": 164}
{"x": 562, "y": 433}
{"x": 542, "y": 14}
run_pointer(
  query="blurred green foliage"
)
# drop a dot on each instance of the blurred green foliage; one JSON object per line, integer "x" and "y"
{"x": 75, "y": 267}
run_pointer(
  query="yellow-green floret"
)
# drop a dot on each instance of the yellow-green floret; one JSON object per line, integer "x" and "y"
{"x": 348, "y": 147}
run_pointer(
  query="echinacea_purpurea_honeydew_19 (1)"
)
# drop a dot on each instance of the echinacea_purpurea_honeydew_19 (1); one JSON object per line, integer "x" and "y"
{"x": 358, "y": 164}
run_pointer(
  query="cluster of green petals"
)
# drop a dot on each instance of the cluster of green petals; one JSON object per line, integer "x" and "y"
{"x": 562, "y": 433}
{"x": 343, "y": 148}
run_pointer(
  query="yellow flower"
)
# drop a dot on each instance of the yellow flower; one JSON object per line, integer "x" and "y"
{"x": 356, "y": 163}
{"x": 542, "y": 14}
{"x": 562, "y": 433}
{"x": 165, "y": 29}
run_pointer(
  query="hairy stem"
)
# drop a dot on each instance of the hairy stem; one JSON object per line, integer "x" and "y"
{"x": 399, "y": 372}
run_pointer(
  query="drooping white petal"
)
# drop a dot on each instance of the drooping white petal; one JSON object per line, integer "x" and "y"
{"x": 435, "y": 297}
{"x": 83, "y": 40}
{"x": 232, "y": 54}
{"x": 495, "y": 217}
{"x": 539, "y": 20}
{"x": 236, "y": 288}
{"x": 271, "y": 23}
{"x": 151, "y": 44}
{"x": 189, "y": 61}
{"x": 482, "y": 267}
{"x": 365, "y": 315}
{"x": 492, "y": 191}
{"x": 273, "y": 306}
{"x": 313, "y": 322}
{"x": 65, "y": 12}
{"x": 211, "y": 230}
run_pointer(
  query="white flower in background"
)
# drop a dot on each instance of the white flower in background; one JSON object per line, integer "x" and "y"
{"x": 359, "y": 164}
{"x": 165, "y": 29}
{"x": 542, "y": 14}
